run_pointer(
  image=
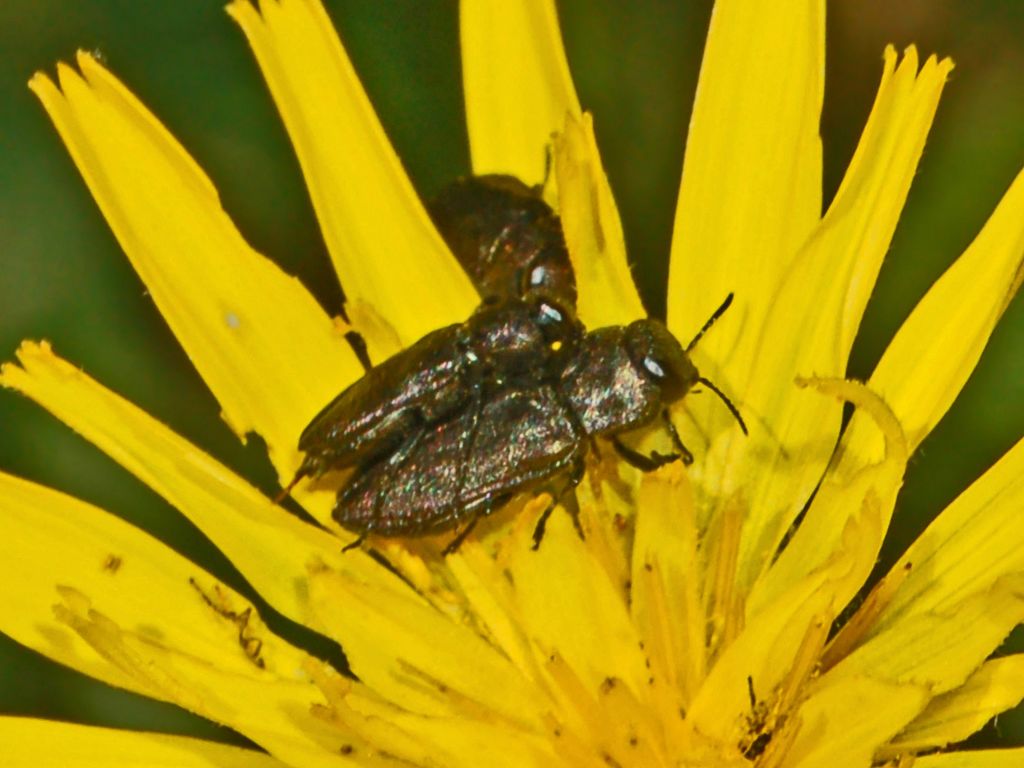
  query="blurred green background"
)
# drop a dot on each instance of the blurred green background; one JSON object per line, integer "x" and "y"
{"x": 62, "y": 275}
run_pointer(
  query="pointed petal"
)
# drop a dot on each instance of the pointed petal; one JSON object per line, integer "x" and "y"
{"x": 55, "y": 541}
{"x": 517, "y": 85}
{"x": 593, "y": 231}
{"x": 665, "y": 598}
{"x": 751, "y": 183}
{"x": 31, "y": 743}
{"x": 521, "y": 107}
{"x": 851, "y": 508}
{"x": 585, "y": 620}
{"x": 88, "y": 590}
{"x": 271, "y": 547}
{"x": 843, "y": 724}
{"x": 933, "y": 354}
{"x": 269, "y": 354}
{"x": 870, "y": 199}
{"x": 390, "y": 259}
{"x": 940, "y": 648}
{"x": 819, "y": 304}
{"x": 411, "y": 653}
{"x": 771, "y": 647}
{"x": 299, "y": 569}
{"x": 815, "y": 314}
{"x": 951, "y": 717}
{"x": 921, "y": 373}
{"x": 820, "y": 301}
{"x": 976, "y": 540}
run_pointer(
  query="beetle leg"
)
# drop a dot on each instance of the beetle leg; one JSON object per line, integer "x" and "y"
{"x": 683, "y": 451}
{"x": 460, "y": 537}
{"x": 542, "y": 522}
{"x": 639, "y": 460}
{"x": 572, "y": 507}
{"x": 356, "y": 543}
{"x": 654, "y": 461}
{"x": 650, "y": 463}
{"x": 549, "y": 164}
{"x": 305, "y": 470}
{"x": 358, "y": 343}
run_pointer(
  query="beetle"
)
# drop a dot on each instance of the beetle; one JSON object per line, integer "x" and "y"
{"x": 509, "y": 241}
{"x": 525, "y": 435}
{"x": 509, "y": 401}
{"x": 504, "y": 343}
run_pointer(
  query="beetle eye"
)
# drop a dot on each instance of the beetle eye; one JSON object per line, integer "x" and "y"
{"x": 550, "y": 314}
{"x": 654, "y": 368}
{"x": 538, "y": 276}
{"x": 556, "y": 323}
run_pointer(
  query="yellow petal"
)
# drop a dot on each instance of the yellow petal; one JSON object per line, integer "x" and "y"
{"x": 770, "y": 648}
{"x": 989, "y": 758}
{"x": 274, "y": 550}
{"x": 851, "y": 509}
{"x": 814, "y": 315}
{"x": 56, "y": 541}
{"x": 480, "y": 580}
{"x": 951, "y": 717}
{"x": 88, "y": 590}
{"x": 751, "y": 184}
{"x": 268, "y": 545}
{"x": 870, "y": 198}
{"x": 940, "y": 648}
{"x": 31, "y": 743}
{"x": 936, "y": 349}
{"x": 429, "y": 663}
{"x": 976, "y": 540}
{"x": 841, "y": 725}
{"x": 269, "y": 354}
{"x": 583, "y": 618}
{"x": 517, "y": 85}
{"x": 593, "y": 231}
{"x": 926, "y": 366}
{"x": 278, "y": 711}
{"x": 665, "y": 598}
{"x": 385, "y": 249}
{"x": 819, "y": 303}
{"x": 461, "y": 741}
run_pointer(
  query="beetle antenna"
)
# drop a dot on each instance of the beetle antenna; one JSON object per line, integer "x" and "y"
{"x": 721, "y": 396}
{"x": 711, "y": 321}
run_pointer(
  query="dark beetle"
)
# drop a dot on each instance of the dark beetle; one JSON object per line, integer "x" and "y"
{"x": 523, "y": 435}
{"x": 506, "y": 237}
{"x": 509, "y": 401}
{"x": 504, "y": 343}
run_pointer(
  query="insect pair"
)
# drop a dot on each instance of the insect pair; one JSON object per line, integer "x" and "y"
{"x": 509, "y": 401}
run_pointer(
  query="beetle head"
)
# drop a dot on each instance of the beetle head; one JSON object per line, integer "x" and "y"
{"x": 660, "y": 358}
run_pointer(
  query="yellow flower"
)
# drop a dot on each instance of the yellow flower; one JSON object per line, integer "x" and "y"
{"x": 704, "y": 620}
